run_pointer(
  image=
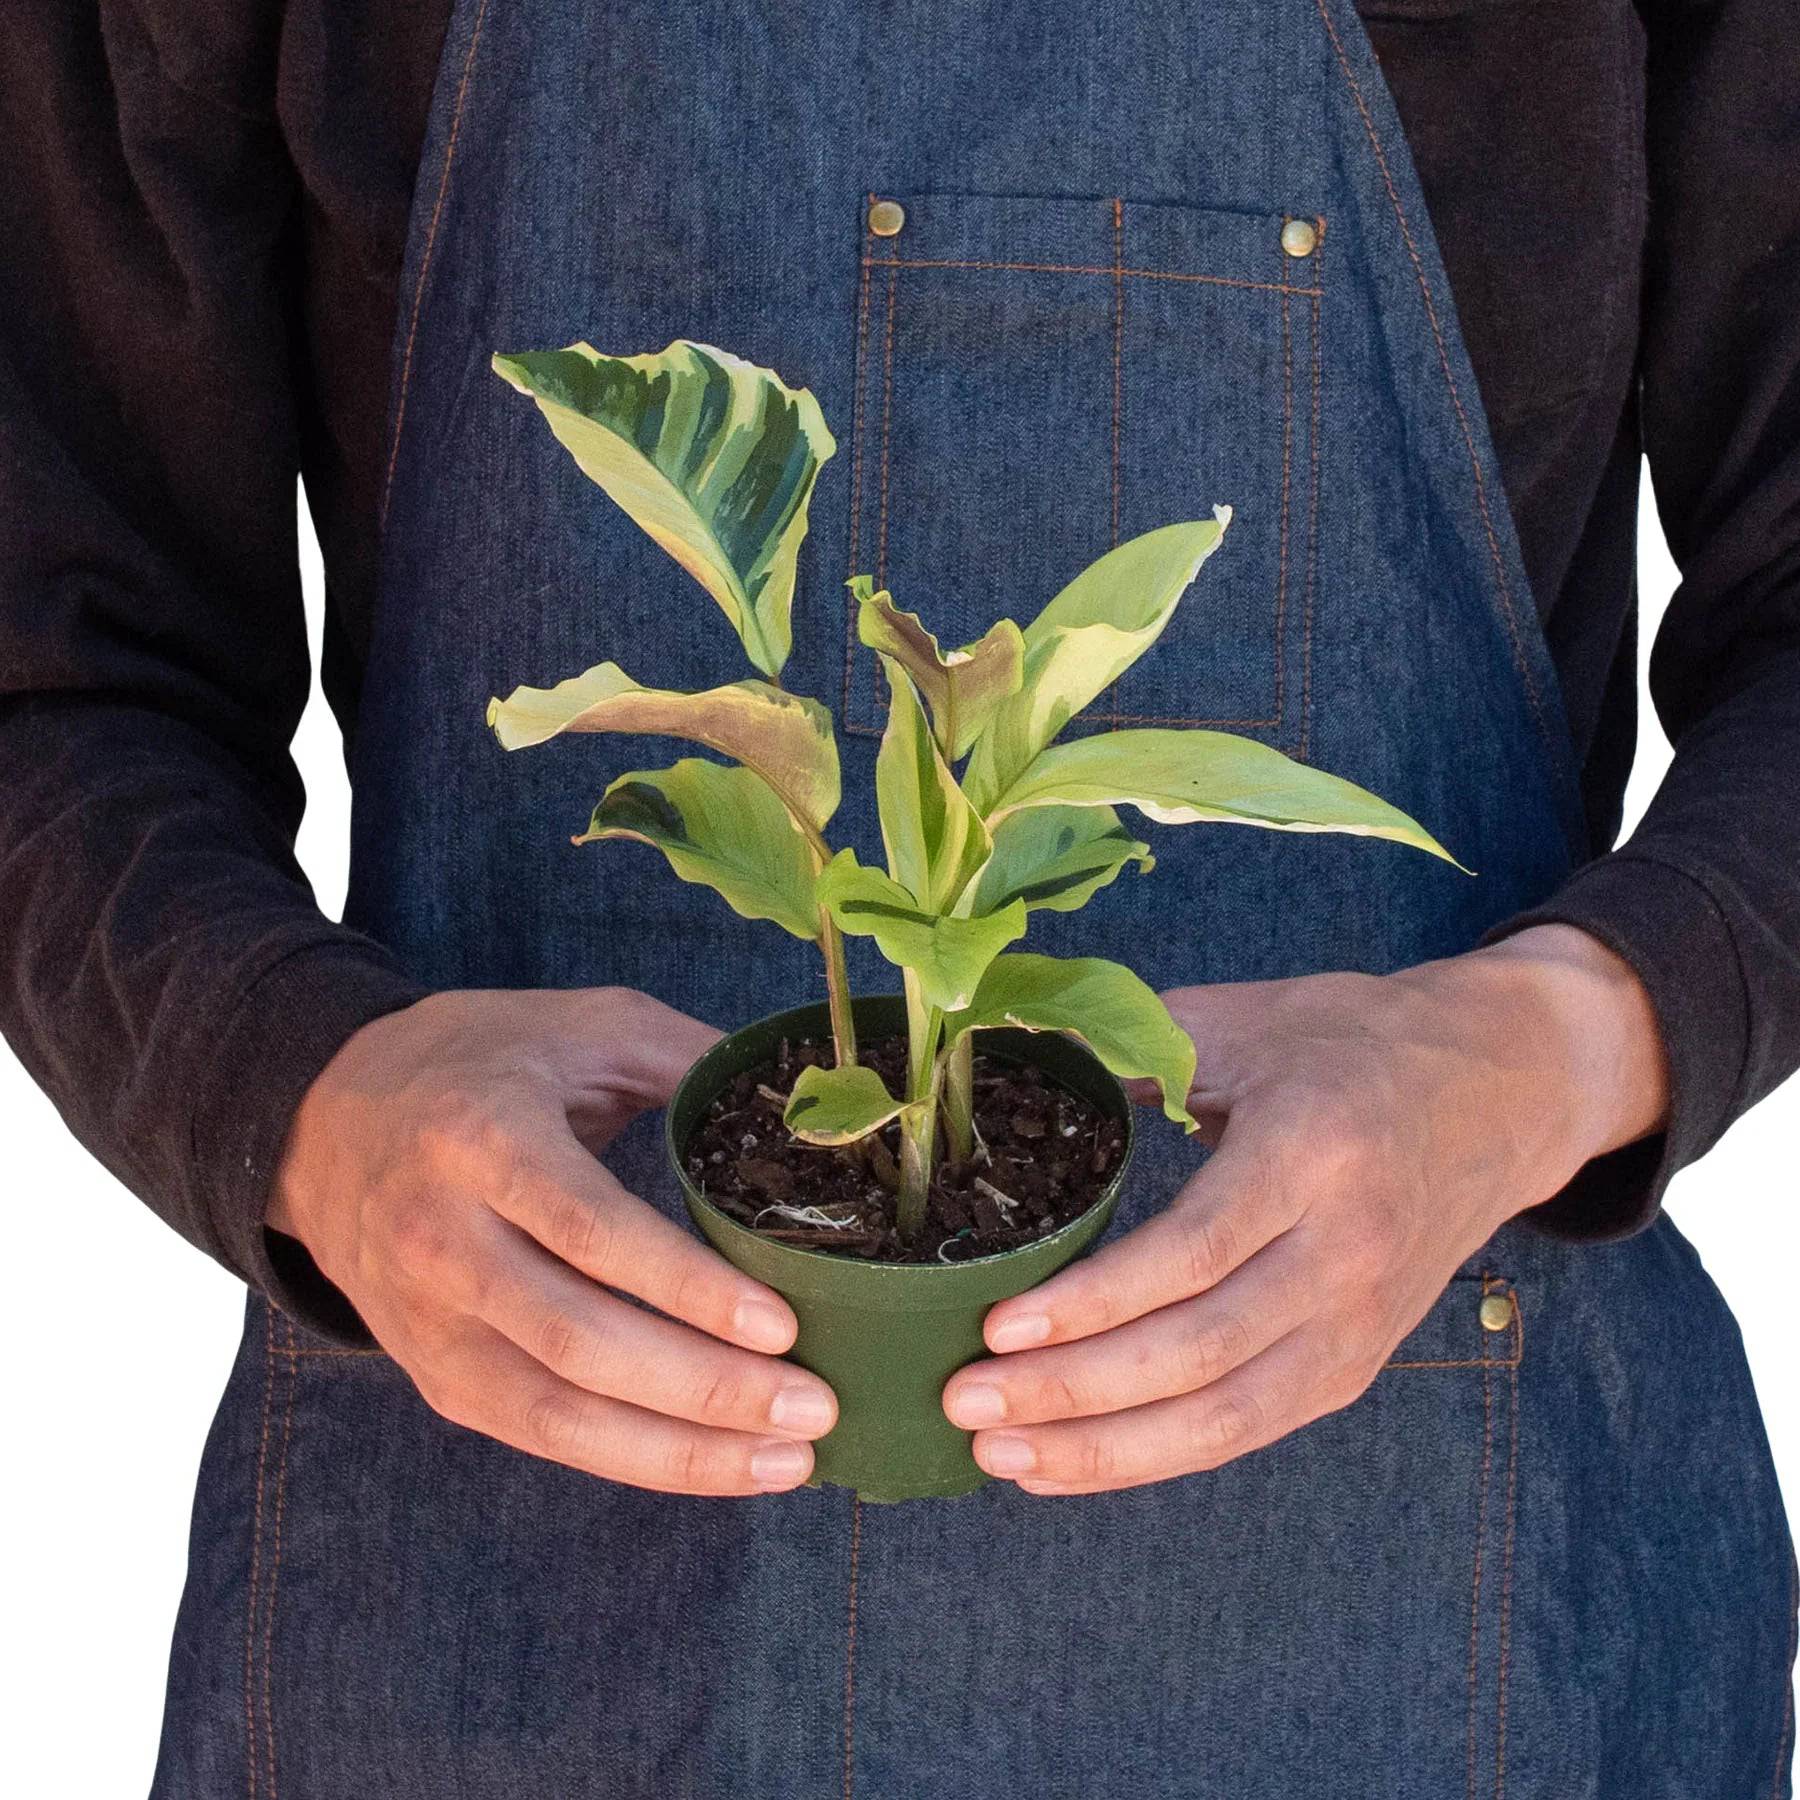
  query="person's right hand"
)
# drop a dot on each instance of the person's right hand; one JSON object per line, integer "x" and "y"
{"x": 443, "y": 1171}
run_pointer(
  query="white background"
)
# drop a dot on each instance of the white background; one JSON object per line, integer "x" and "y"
{"x": 118, "y": 1336}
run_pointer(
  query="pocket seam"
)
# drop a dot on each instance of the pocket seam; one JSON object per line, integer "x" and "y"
{"x": 1515, "y": 1332}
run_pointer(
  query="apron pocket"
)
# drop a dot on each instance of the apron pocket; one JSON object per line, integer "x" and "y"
{"x": 1038, "y": 379}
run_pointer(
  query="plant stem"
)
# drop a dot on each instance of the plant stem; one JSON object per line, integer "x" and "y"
{"x": 918, "y": 1124}
{"x": 959, "y": 1097}
{"x": 917, "y": 1129}
{"x": 837, "y": 989}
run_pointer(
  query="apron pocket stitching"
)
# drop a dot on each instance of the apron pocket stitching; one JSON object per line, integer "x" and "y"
{"x": 1506, "y": 1576}
{"x": 256, "y": 1537}
{"x": 850, "y": 1648}
{"x": 1119, "y": 271}
{"x": 856, "y": 452}
{"x": 1481, "y": 1510}
{"x": 256, "y": 1667}
{"x": 1312, "y": 505}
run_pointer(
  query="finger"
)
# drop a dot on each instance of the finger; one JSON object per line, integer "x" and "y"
{"x": 1285, "y": 1387}
{"x": 1236, "y": 1204}
{"x": 581, "y": 1332}
{"x": 1173, "y": 1351}
{"x": 481, "y": 1380}
{"x": 578, "y": 1210}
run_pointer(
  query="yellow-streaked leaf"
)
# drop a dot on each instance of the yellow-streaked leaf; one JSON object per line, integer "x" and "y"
{"x": 1084, "y": 640}
{"x": 948, "y": 955}
{"x": 962, "y": 687}
{"x": 722, "y": 827}
{"x": 840, "y": 1105}
{"x": 711, "y": 455}
{"x": 1056, "y": 857}
{"x": 935, "y": 840}
{"x": 1115, "y": 1013}
{"x": 1187, "y": 777}
{"x": 784, "y": 737}
{"x": 945, "y": 954}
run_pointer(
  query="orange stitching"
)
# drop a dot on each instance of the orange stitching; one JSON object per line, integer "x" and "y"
{"x": 1490, "y": 1284}
{"x": 1025, "y": 268}
{"x": 324, "y": 1350}
{"x": 850, "y": 1648}
{"x": 1312, "y": 526}
{"x": 887, "y": 419}
{"x": 1487, "y": 1468}
{"x": 1476, "y": 1362}
{"x": 856, "y": 460}
{"x": 1118, "y": 211}
{"x": 1281, "y": 566}
{"x": 1164, "y": 719}
{"x": 1412, "y": 250}
{"x": 262, "y": 1458}
{"x": 412, "y": 328}
{"x": 1111, "y": 716}
{"x": 287, "y": 1422}
{"x": 1512, "y": 1494}
{"x": 1118, "y": 271}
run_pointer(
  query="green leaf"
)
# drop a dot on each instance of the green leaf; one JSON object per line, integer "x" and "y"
{"x": 962, "y": 687}
{"x": 1183, "y": 777}
{"x": 721, "y": 827}
{"x": 1085, "y": 639}
{"x": 714, "y": 457}
{"x": 1056, "y": 857}
{"x": 785, "y": 738}
{"x": 936, "y": 842}
{"x": 1117, "y": 1015}
{"x": 838, "y": 1106}
{"x": 948, "y": 955}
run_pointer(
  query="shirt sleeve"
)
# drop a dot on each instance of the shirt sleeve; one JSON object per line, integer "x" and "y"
{"x": 164, "y": 971}
{"x": 1704, "y": 899}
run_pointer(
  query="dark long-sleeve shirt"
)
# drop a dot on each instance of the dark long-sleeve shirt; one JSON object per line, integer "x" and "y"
{"x": 202, "y": 210}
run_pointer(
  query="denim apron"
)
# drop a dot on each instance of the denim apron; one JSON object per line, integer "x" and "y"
{"x": 1155, "y": 255}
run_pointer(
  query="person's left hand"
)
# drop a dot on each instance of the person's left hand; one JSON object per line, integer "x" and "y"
{"x": 1372, "y": 1133}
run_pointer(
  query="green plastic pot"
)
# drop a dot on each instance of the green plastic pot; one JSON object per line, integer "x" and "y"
{"x": 887, "y": 1336}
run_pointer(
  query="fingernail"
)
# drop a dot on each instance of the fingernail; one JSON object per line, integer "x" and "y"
{"x": 775, "y": 1465}
{"x": 1006, "y": 1456}
{"x": 1020, "y": 1331}
{"x": 801, "y": 1409}
{"x": 977, "y": 1405}
{"x": 762, "y": 1325}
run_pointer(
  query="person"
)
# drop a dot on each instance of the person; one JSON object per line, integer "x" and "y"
{"x": 1401, "y": 1448}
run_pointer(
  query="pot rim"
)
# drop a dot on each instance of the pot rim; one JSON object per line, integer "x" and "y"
{"x": 897, "y": 1271}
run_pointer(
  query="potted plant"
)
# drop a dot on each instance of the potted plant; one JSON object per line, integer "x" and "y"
{"x": 895, "y": 1165}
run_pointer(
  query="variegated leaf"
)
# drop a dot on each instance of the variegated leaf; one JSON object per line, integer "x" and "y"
{"x": 962, "y": 687}
{"x": 935, "y": 839}
{"x": 722, "y": 827}
{"x": 1184, "y": 777}
{"x": 839, "y": 1105}
{"x": 1084, "y": 640}
{"x": 947, "y": 955}
{"x": 1115, "y": 1013}
{"x": 1056, "y": 857}
{"x": 714, "y": 457}
{"x": 784, "y": 737}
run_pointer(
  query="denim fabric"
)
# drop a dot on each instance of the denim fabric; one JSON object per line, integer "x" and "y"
{"x": 1549, "y": 1560}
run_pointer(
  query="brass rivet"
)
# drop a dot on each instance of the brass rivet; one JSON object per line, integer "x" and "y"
{"x": 886, "y": 217}
{"x": 1496, "y": 1311}
{"x": 1299, "y": 237}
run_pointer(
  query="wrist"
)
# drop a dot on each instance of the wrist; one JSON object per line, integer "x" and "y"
{"x": 1596, "y": 1032}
